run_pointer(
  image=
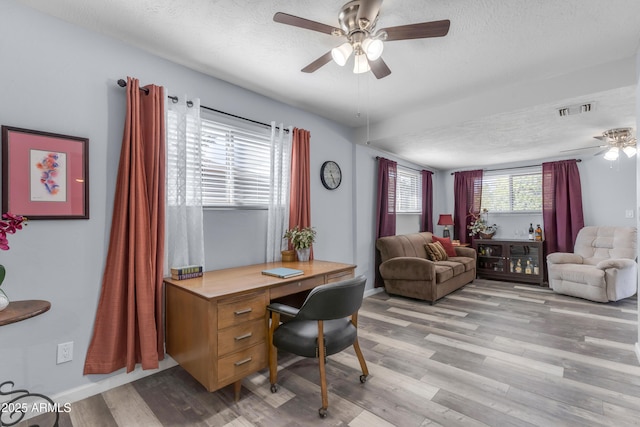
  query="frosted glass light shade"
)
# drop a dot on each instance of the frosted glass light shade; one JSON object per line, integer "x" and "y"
{"x": 361, "y": 65}
{"x": 373, "y": 48}
{"x": 629, "y": 150}
{"x": 612, "y": 154}
{"x": 341, "y": 53}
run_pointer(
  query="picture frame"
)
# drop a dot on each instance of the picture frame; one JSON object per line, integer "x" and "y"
{"x": 44, "y": 175}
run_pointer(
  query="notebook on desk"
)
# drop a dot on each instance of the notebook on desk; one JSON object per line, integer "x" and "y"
{"x": 283, "y": 272}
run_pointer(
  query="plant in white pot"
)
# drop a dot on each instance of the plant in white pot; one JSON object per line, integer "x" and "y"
{"x": 301, "y": 239}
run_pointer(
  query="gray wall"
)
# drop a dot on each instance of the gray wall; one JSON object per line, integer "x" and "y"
{"x": 59, "y": 78}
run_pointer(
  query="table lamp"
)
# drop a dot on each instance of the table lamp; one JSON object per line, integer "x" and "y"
{"x": 446, "y": 220}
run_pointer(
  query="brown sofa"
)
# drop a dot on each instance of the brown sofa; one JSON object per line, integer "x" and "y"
{"x": 407, "y": 271}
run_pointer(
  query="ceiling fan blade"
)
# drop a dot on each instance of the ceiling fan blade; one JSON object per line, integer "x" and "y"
{"x": 601, "y": 152}
{"x": 296, "y": 21}
{"x": 323, "y": 60}
{"x": 583, "y": 148}
{"x": 418, "y": 31}
{"x": 379, "y": 68}
{"x": 368, "y": 10}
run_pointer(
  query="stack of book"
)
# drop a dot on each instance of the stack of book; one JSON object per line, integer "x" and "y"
{"x": 186, "y": 272}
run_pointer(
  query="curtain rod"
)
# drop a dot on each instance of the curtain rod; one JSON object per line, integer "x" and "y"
{"x": 407, "y": 167}
{"x": 515, "y": 167}
{"x": 123, "y": 83}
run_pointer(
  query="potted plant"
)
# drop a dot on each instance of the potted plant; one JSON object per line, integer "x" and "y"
{"x": 301, "y": 239}
{"x": 479, "y": 225}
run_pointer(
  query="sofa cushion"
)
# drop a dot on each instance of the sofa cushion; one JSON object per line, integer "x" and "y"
{"x": 466, "y": 262}
{"x": 446, "y": 244}
{"x": 443, "y": 273}
{"x": 456, "y": 267}
{"x": 435, "y": 251}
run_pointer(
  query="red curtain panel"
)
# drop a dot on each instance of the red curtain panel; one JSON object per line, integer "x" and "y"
{"x": 128, "y": 327}
{"x": 426, "y": 220}
{"x": 386, "y": 207}
{"x": 300, "y": 193}
{"x": 467, "y": 189}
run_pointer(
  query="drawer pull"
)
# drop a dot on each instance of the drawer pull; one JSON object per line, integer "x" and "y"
{"x": 245, "y": 311}
{"x": 242, "y": 337}
{"x": 243, "y": 361}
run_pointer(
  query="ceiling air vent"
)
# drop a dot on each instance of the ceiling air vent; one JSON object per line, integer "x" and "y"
{"x": 571, "y": 110}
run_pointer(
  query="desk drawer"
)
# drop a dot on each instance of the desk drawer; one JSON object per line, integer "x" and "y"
{"x": 295, "y": 287}
{"x": 340, "y": 276}
{"x": 241, "y": 336}
{"x": 242, "y": 309}
{"x": 238, "y": 365}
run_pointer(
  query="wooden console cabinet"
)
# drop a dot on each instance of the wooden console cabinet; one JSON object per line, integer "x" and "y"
{"x": 216, "y": 325}
{"x": 510, "y": 260}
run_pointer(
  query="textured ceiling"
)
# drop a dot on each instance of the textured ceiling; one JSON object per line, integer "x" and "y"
{"x": 486, "y": 93}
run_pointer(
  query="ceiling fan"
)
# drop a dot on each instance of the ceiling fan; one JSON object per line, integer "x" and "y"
{"x": 357, "y": 20}
{"x": 616, "y": 140}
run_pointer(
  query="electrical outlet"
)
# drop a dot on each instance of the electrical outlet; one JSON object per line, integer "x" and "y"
{"x": 65, "y": 352}
{"x": 628, "y": 213}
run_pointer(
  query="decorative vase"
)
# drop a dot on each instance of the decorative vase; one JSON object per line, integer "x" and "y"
{"x": 4, "y": 299}
{"x": 303, "y": 254}
{"x": 486, "y": 235}
{"x": 288, "y": 256}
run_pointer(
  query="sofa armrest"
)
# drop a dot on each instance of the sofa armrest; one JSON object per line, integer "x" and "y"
{"x": 564, "y": 258}
{"x": 466, "y": 252}
{"x": 408, "y": 268}
{"x": 616, "y": 263}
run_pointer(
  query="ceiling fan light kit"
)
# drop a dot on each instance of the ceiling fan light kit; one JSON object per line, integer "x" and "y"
{"x": 357, "y": 21}
{"x": 618, "y": 139}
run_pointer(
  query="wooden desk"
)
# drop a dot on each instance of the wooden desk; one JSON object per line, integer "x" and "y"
{"x": 216, "y": 325}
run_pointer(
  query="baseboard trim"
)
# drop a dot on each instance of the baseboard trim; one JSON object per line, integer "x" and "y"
{"x": 372, "y": 292}
{"x": 88, "y": 390}
{"x": 637, "y": 346}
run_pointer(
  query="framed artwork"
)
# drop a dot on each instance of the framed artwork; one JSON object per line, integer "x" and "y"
{"x": 44, "y": 175}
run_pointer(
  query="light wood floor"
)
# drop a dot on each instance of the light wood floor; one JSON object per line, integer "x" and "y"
{"x": 492, "y": 353}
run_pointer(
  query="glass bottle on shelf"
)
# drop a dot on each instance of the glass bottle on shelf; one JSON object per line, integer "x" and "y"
{"x": 536, "y": 269}
{"x": 511, "y": 266}
{"x": 519, "y": 266}
{"x": 528, "y": 269}
{"x": 531, "y": 231}
{"x": 538, "y": 233}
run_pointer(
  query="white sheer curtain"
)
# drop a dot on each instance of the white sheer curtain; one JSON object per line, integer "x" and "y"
{"x": 185, "y": 237}
{"x": 278, "y": 216}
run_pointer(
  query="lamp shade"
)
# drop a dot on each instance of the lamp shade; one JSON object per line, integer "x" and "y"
{"x": 361, "y": 65}
{"x": 629, "y": 150}
{"x": 612, "y": 154}
{"x": 372, "y": 48}
{"x": 341, "y": 53}
{"x": 445, "y": 219}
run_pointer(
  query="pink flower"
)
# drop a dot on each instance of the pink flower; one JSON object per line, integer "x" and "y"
{"x": 9, "y": 224}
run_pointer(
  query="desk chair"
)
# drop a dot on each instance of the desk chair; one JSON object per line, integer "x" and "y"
{"x": 330, "y": 311}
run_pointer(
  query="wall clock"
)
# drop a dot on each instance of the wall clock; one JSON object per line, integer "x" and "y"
{"x": 330, "y": 175}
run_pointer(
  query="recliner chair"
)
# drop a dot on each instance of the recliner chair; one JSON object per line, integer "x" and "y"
{"x": 601, "y": 268}
{"x": 329, "y": 311}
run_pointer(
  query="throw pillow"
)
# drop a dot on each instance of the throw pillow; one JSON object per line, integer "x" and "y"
{"x": 436, "y": 252}
{"x": 446, "y": 244}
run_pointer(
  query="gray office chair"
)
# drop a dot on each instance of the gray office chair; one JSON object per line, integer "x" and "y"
{"x": 329, "y": 311}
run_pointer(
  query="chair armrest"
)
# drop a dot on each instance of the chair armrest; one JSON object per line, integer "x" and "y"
{"x": 564, "y": 258}
{"x": 466, "y": 252}
{"x": 616, "y": 263}
{"x": 408, "y": 268}
{"x": 283, "y": 309}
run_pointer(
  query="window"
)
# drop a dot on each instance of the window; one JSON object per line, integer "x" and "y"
{"x": 515, "y": 191}
{"x": 236, "y": 163}
{"x": 408, "y": 191}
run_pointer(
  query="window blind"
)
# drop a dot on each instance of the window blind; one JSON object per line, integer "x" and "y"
{"x": 236, "y": 164}
{"x": 408, "y": 191}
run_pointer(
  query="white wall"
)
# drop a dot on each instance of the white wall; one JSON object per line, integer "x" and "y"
{"x": 59, "y": 78}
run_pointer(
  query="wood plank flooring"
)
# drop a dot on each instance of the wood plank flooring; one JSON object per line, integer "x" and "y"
{"x": 492, "y": 353}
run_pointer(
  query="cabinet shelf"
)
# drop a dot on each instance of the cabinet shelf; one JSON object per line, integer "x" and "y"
{"x": 502, "y": 260}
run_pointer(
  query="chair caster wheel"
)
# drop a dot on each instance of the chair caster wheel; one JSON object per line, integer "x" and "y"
{"x": 274, "y": 388}
{"x": 322, "y": 412}
{"x": 363, "y": 379}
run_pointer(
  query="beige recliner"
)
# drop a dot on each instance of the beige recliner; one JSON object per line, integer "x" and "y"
{"x": 602, "y": 267}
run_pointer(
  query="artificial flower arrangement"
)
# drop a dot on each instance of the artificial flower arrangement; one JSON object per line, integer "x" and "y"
{"x": 301, "y": 238}
{"x": 9, "y": 224}
{"x": 479, "y": 224}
